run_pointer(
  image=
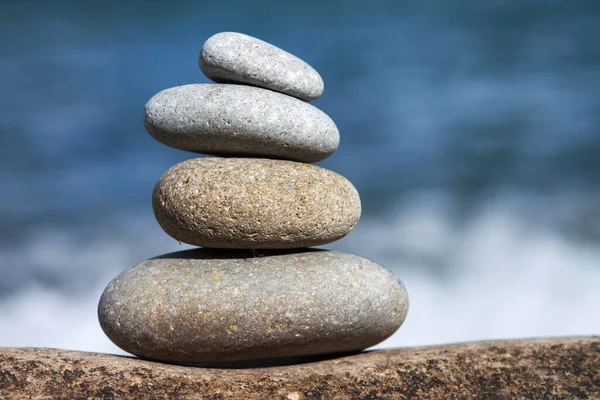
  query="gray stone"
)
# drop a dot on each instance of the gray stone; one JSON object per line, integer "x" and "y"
{"x": 235, "y": 57}
{"x": 240, "y": 120}
{"x": 207, "y": 305}
{"x": 254, "y": 203}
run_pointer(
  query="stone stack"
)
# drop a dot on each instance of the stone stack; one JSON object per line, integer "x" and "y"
{"x": 255, "y": 290}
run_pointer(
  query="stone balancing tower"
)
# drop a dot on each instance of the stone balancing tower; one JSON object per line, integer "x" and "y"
{"x": 254, "y": 290}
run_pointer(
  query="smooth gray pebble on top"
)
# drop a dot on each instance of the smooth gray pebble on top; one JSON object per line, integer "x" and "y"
{"x": 235, "y": 57}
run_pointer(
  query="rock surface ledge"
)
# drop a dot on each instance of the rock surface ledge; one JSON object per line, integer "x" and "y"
{"x": 536, "y": 368}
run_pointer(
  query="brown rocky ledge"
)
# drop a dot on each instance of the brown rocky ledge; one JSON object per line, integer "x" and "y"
{"x": 562, "y": 368}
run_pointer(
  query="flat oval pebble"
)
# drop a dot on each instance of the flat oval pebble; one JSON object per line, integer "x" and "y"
{"x": 207, "y": 305}
{"x": 235, "y": 57}
{"x": 240, "y": 120}
{"x": 254, "y": 203}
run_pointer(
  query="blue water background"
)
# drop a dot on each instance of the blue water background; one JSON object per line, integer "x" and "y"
{"x": 458, "y": 104}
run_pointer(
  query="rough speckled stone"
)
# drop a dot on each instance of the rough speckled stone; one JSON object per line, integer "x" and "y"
{"x": 562, "y": 368}
{"x": 254, "y": 203}
{"x": 235, "y": 57}
{"x": 240, "y": 120}
{"x": 221, "y": 305}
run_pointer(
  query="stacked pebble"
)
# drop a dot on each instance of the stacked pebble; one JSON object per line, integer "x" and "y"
{"x": 255, "y": 291}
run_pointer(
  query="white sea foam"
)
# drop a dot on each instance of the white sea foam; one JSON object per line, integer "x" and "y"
{"x": 498, "y": 276}
{"x": 494, "y": 275}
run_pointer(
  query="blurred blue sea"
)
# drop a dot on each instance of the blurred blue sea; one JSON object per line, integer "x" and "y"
{"x": 471, "y": 130}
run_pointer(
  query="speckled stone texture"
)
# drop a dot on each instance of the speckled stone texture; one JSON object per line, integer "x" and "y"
{"x": 240, "y": 120}
{"x": 254, "y": 203}
{"x": 567, "y": 368}
{"x": 221, "y": 305}
{"x": 235, "y": 57}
